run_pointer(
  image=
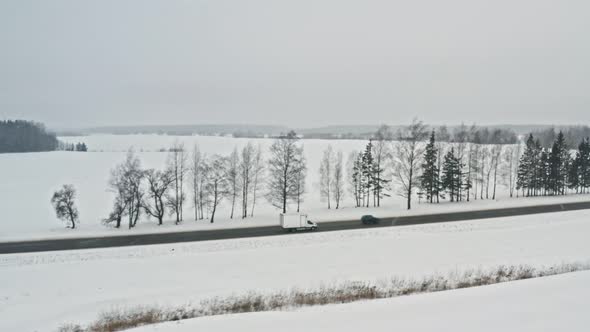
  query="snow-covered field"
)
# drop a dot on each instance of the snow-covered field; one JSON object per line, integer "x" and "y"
{"x": 556, "y": 303}
{"x": 28, "y": 181}
{"x": 42, "y": 290}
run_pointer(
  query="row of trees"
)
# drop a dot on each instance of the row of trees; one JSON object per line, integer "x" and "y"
{"x": 413, "y": 159}
{"x": 573, "y": 135}
{"x": 466, "y": 171}
{"x": 236, "y": 178}
{"x": 80, "y": 147}
{"x": 544, "y": 171}
{"x": 332, "y": 177}
{"x": 537, "y": 171}
{"x": 211, "y": 179}
{"x": 476, "y": 135}
{"x": 368, "y": 179}
{"x": 468, "y": 168}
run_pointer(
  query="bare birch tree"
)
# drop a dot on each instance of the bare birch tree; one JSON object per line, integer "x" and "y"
{"x": 232, "y": 176}
{"x": 326, "y": 166}
{"x": 126, "y": 182}
{"x": 177, "y": 162}
{"x": 196, "y": 175}
{"x": 496, "y": 160}
{"x": 381, "y": 141}
{"x": 258, "y": 173}
{"x": 246, "y": 174}
{"x": 158, "y": 183}
{"x": 299, "y": 180}
{"x": 284, "y": 171}
{"x": 217, "y": 187}
{"x": 338, "y": 180}
{"x": 483, "y": 157}
{"x": 489, "y": 168}
{"x": 406, "y": 159}
{"x": 204, "y": 176}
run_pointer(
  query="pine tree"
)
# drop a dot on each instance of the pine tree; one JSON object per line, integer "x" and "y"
{"x": 451, "y": 179}
{"x": 527, "y": 168}
{"x": 574, "y": 175}
{"x": 543, "y": 171}
{"x": 380, "y": 184}
{"x": 583, "y": 164}
{"x": 429, "y": 180}
{"x": 367, "y": 171}
{"x": 558, "y": 162}
{"x": 540, "y": 171}
{"x": 522, "y": 174}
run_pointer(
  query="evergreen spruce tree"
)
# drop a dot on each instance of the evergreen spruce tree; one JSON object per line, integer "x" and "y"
{"x": 451, "y": 178}
{"x": 368, "y": 173}
{"x": 573, "y": 177}
{"x": 539, "y": 165}
{"x": 429, "y": 180}
{"x": 558, "y": 162}
{"x": 565, "y": 171}
{"x": 525, "y": 168}
{"x": 543, "y": 171}
{"x": 583, "y": 164}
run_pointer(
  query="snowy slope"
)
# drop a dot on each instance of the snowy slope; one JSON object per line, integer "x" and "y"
{"x": 556, "y": 303}
{"x": 74, "y": 286}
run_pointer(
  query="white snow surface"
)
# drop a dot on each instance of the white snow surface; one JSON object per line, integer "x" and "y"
{"x": 556, "y": 303}
{"x": 28, "y": 180}
{"x": 40, "y": 291}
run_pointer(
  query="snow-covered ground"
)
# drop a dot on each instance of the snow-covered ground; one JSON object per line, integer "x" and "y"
{"x": 28, "y": 180}
{"x": 42, "y": 290}
{"x": 556, "y": 303}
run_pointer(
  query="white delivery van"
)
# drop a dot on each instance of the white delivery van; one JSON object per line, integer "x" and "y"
{"x": 297, "y": 222}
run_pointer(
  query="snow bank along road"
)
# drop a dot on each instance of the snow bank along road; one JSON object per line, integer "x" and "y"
{"x": 246, "y": 232}
{"x": 554, "y": 303}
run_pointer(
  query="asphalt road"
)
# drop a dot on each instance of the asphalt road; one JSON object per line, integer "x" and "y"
{"x": 235, "y": 233}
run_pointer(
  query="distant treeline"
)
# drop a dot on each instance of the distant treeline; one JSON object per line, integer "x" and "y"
{"x": 80, "y": 147}
{"x": 457, "y": 134}
{"x": 25, "y": 136}
{"x": 29, "y": 136}
{"x": 475, "y": 134}
{"x": 496, "y": 134}
{"x": 572, "y": 135}
{"x": 484, "y": 135}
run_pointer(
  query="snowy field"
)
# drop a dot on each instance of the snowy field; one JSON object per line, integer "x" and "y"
{"x": 556, "y": 303}
{"x": 28, "y": 181}
{"x": 42, "y": 290}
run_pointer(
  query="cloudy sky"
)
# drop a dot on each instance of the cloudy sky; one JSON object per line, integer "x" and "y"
{"x": 302, "y": 63}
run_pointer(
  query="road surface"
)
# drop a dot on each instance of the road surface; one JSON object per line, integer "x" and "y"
{"x": 236, "y": 233}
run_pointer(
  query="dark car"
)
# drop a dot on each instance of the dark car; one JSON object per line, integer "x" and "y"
{"x": 369, "y": 220}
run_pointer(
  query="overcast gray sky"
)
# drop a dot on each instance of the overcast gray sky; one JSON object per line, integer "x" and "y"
{"x": 299, "y": 62}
